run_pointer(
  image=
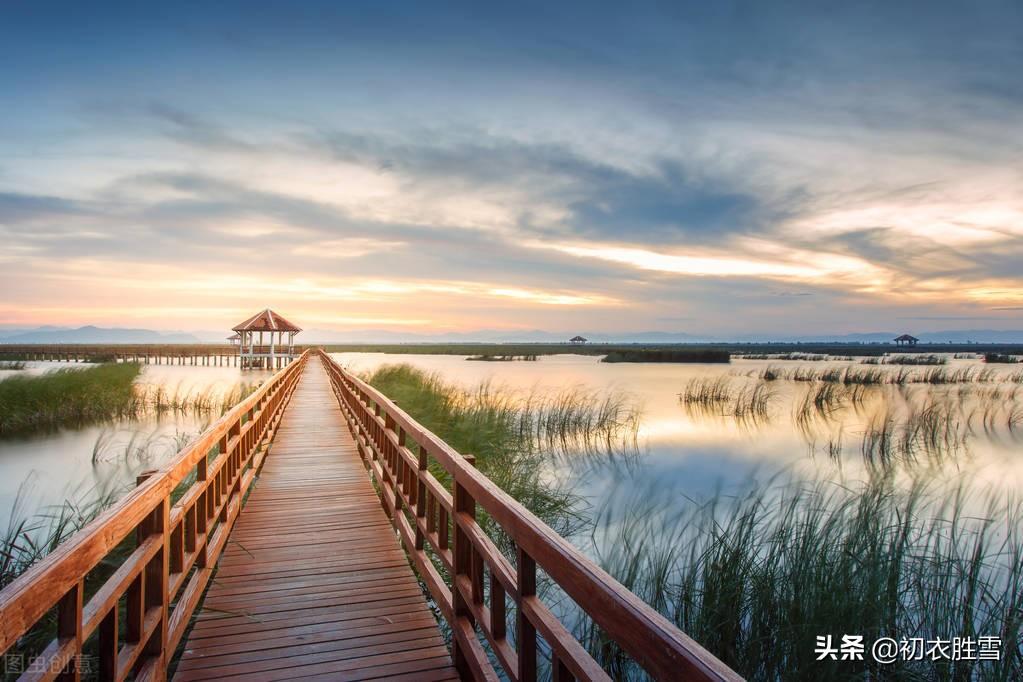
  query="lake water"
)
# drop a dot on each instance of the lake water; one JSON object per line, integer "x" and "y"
{"x": 51, "y": 468}
{"x": 693, "y": 452}
{"x": 682, "y": 450}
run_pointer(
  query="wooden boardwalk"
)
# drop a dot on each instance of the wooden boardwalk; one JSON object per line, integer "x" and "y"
{"x": 313, "y": 582}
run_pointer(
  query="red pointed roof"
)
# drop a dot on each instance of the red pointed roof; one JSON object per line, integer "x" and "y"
{"x": 266, "y": 321}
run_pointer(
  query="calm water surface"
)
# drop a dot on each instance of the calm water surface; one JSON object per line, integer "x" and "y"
{"x": 688, "y": 453}
{"x": 695, "y": 452}
{"x": 53, "y": 467}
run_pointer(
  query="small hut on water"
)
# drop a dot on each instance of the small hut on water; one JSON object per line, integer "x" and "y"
{"x": 907, "y": 340}
{"x": 254, "y": 352}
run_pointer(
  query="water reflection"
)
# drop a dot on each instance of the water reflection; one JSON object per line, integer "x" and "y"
{"x": 84, "y": 464}
{"x": 705, "y": 427}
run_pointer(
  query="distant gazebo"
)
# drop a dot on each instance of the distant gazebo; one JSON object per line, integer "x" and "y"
{"x": 906, "y": 340}
{"x": 234, "y": 339}
{"x": 254, "y": 352}
{"x": 577, "y": 340}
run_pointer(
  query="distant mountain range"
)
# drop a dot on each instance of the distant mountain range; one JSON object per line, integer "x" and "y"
{"x": 92, "y": 334}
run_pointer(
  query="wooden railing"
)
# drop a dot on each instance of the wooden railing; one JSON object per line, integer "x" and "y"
{"x": 176, "y": 546}
{"x": 476, "y": 582}
{"x": 265, "y": 349}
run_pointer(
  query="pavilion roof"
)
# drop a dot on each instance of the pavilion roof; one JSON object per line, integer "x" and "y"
{"x": 266, "y": 321}
{"x": 906, "y": 337}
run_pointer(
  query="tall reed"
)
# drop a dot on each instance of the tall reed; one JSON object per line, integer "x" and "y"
{"x": 512, "y": 436}
{"x": 66, "y": 397}
{"x": 757, "y": 577}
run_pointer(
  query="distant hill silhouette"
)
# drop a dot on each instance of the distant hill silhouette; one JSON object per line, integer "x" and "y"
{"x": 92, "y": 334}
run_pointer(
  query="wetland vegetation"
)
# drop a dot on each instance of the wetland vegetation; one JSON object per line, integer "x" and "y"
{"x": 757, "y": 574}
{"x": 670, "y": 355}
{"x": 75, "y": 396}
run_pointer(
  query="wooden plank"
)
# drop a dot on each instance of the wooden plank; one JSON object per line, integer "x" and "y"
{"x": 312, "y": 581}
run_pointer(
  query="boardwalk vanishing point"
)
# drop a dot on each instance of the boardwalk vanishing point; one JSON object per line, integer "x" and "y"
{"x": 303, "y": 536}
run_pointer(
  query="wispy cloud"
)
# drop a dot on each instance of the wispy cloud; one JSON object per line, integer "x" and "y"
{"x": 727, "y": 168}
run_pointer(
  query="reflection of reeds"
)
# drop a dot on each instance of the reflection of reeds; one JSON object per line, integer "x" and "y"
{"x": 707, "y": 391}
{"x": 749, "y": 403}
{"x": 873, "y": 375}
{"x": 752, "y": 403}
{"x": 758, "y": 577}
{"x": 934, "y": 428}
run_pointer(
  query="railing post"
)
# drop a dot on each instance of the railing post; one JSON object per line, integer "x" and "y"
{"x": 421, "y": 508}
{"x": 152, "y": 590}
{"x": 69, "y": 627}
{"x": 463, "y": 503}
{"x": 525, "y": 633}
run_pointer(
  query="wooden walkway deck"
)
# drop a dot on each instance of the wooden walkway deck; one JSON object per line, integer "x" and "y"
{"x": 313, "y": 582}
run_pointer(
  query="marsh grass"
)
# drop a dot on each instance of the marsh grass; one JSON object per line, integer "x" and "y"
{"x": 757, "y": 577}
{"x": 906, "y": 359}
{"x": 76, "y": 397}
{"x": 749, "y": 402}
{"x": 12, "y": 364}
{"x": 1000, "y": 358}
{"x": 502, "y": 358}
{"x": 871, "y": 374}
{"x": 160, "y": 399}
{"x": 693, "y": 355}
{"x": 514, "y": 437}
{"x": 30, "y": 537}
{"x": 66, "y": 397}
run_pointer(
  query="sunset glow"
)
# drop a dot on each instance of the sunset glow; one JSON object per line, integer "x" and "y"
{"x": 664, "y": 183}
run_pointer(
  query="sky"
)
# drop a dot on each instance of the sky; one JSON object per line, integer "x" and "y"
{"x": 711, "y": 168}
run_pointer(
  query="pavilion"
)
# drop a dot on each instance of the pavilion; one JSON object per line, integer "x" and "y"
{"x": 271, "y": 352}
{"x": 907, "y": 340}
{"x": 577, "y": 339}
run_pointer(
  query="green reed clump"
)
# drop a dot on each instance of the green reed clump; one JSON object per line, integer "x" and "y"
{"x": 707, "y": 391}
{"x": 752, "y": 403}
{"x": 12, "y": 364}
{"x": 1000, "y": 358}
{"x": 512, "y": 437}
{"x": 66, "y": 397}
{"x": 160, "y": 399}
{"x": 757, "y": 577}
{"x": 906, "y": 359}
{"x": 695, "y": 355}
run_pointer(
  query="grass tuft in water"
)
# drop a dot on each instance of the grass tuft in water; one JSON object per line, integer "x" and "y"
{"x": 514, "y": 437}
{"x": 757, "y": 577}
{"x": 695, "y": 355}
{"x": 66, "y": 397}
